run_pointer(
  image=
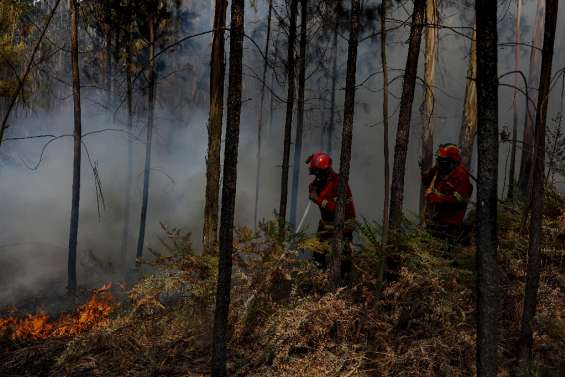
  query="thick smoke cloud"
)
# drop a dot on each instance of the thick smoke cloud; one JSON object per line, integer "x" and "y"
{"x": 36, "y": 204}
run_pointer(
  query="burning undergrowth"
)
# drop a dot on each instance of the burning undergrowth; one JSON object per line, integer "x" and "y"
{"x": 286, "y": 321}
{"x": 95, "y": 312}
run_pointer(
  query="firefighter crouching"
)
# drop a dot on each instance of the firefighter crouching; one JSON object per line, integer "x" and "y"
{"x": 323, "y": 192}
{"x": 448, "y": 192}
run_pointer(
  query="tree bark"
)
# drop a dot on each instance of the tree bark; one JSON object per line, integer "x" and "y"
{"x": 77, "y": 145}
{"x": 129, "y": 104}
{"x": 487, "y": 142}
{"x": 210, "y": 230}
{"x": 108, "y": 22}
{"x": 228, "y": 190}
{"x": 331, "y": 124}
{"x": 469, "y": 124}
{"x": 534, "y": 250}
{"x": 512, "y": 173}
{"x": 300, "y": 114}
{"x": 260, "y": 117}
{"x": 533, "y": 77}
{"x": 288, "y": 121}
{"x": 346, "y": 140}
{"x": 386, "y": 153}
{"x": 405, "y": 115}
{"x": 150, "y": 116}
{"x": 430, "y": 53}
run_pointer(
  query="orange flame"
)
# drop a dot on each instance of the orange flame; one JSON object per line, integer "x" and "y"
{"x": 37, "y": 326}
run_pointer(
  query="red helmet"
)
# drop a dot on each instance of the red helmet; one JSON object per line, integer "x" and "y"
{"x": 450, "y": 151}
{"x": 319, "y": 160}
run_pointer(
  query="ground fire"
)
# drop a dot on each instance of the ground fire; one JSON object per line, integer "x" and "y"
{"x": 93, "y": 313}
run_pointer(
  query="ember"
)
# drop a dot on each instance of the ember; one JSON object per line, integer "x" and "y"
{"x": 94, "y": 312}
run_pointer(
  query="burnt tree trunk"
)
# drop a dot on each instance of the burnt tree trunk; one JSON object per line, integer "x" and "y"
{"x": 297, "y": 161}
{"x": 211, "y": 208}
{"x": 533, "y": 76}
{"x": 108, "y": 22}
{"x": 431, "y": 38}
{"x": 288, "y": 121}
{"x": 346, "y": 139}
{"x": 512, "y": 173}
{"x": 487, "y": 142}
{"x": 386, "y": 153}
{"x": 228, "y": 190}
{"x": 405, "y": 115}
{"x": 331, "y": 124}
{"x": 129, "y": 104}
{"x": 260, "y": 116}
{"x": 534, "y": 249}
{"x": 150, "y": 116}
{"x": 469, "y": 125}
{"x": 77, "y": 145}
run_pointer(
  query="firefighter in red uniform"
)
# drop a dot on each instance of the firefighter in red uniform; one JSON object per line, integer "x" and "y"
{"x": 448, "y": 192}
{"x": 323, "y": 192}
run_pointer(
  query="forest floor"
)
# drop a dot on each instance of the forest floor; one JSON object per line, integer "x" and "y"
{"x": 286, "y": 321}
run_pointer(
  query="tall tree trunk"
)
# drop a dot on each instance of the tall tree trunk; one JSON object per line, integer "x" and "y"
{"x": 129, "y": 103}
{"x": 150, "y": 116}
{"x": 346, "y": 140}
{"x": 534, "y": 250}
{"x": 77, "y": 145}
{"x": 512, "y": 173}
{"x": 331, "y": 124}
{"x": 300, "y": 114}
{"x": 272, "y": 99}
{"x": 533, "y": 77}
{"x": 210, "y": 230}
{"x": 228, "y": 190}
{"x": 386, "y": 153}
{"x": 108, "y": 22}
{"x": 260, "y": 117}
{"x": 487, "y": 142}
{"x": 288, "y": 121}
{"x": 405, "y": 115}
{"x": 430, "y": 53}
{"x": 469, "y": 124}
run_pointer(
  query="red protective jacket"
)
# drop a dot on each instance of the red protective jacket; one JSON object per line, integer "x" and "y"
{"x": 327, "y": 198}
{"x": 447, "y": 196}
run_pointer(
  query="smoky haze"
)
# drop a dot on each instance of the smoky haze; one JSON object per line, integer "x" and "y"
{"x": 36, "y": 203}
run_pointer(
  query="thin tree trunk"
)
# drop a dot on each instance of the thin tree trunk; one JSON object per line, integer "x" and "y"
{"x": 288, "y": 121}
{"x": 300, "y": 114}
{"x": 260, "y": 117}
{"x": 77, "y": 135}
{"x": 210, "y": 230}
{"x": 533, "y": 77}
{"x": 430, "y": 53}
{"x": 512, "y": 174}
{"x": 487, "y": 142}
{"x": 346, "y": 140}
{"x": 386, "y": 153}
{"x": 469, "y": 124}
{"x": 525, "y": 341}
{"x": 322, "y": 105}
{"x": 272, "y": 99}
{"x": 150, "y": 115}
{"x": 331, "y": 124}
{"x": 228, "y": 190}
{"x": 108, "y": 21}
{"x": 129, "y": 103}
{"x": 405, "y": 115}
